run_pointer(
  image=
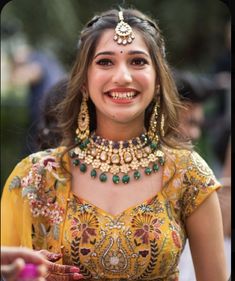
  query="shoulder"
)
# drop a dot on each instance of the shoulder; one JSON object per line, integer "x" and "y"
{"x": 40, "y": 180}
{"x": 44, "y": 157}
{"x": 42, "y": 164}
{"x": 192, "y": 178}
{"x": 189, "y": 161}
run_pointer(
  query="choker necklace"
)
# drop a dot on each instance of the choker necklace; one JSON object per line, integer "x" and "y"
{"x": 119, "y": 158}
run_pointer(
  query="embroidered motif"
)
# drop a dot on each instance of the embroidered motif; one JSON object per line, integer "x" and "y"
{"x": 143, "y": 243}
{"x": 39, "y": 187}
{"x": 201, "y": 165}
{"x": 15, "y": 183}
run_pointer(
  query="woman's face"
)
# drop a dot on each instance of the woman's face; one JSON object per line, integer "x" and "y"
{"x": 121, "y": 80}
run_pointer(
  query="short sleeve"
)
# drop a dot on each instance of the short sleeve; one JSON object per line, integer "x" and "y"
{"x": 198, "y": 183}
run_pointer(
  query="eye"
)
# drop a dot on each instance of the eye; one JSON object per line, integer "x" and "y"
{"x": 139, "y": 61}
{"x": 104, "y": 62}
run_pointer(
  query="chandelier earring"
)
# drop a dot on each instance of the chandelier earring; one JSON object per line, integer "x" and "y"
{"x": 152, "y": 132}
{"x": 162, "y": 125}
{"x": 83, "y": 131}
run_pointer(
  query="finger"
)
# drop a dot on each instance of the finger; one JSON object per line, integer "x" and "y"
{"x": 40, "y": 279}
{"x": 50, "y": 256}
{"x": 42, "y": 270}
{"x": 9, "y": 254}
{"x": 12, "y": 270}
{"x": 65, "y": 277}
{"x": 62, "y": 269}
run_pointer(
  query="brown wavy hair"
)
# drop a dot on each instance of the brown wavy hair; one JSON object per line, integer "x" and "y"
{"x": 169, "y": 102}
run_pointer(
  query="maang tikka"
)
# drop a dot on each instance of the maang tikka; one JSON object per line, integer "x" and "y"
{"x": 123, "y": 31}
{"x": 83, "y": 131}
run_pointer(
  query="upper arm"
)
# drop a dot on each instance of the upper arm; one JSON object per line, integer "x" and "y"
{"x": 11, "y": 208}
{"x": 15, "y": 219}
{"x": 205, "y": 234}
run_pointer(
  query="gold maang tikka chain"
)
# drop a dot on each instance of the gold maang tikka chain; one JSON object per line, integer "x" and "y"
{"x": 123, "y": 31}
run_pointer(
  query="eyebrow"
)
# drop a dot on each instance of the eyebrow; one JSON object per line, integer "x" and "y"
{"x": 129, "y": 53}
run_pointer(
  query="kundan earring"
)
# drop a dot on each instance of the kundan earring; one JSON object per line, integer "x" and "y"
{"x": 162, "y": 125}
{"x": 152, "y": 132}
{"x": 83, "y": 131}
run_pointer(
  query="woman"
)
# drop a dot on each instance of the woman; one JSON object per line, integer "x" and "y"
{"x": 121, "y": 195}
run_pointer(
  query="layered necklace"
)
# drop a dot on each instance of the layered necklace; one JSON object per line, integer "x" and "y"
{"x": 124, "y": 160}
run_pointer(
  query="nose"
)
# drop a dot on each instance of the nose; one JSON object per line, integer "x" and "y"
{"x": 122, "y": 75}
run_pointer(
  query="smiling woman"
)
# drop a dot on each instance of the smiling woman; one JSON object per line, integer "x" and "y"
{"x": 125, "y": 85}
{"x": 123, "y": 192}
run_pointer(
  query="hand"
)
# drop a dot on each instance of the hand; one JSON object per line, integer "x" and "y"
{"x": 13, "y": 261}
{"x": 57, "y": 272}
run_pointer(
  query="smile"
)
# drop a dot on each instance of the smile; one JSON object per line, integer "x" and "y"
{"x": 122, "y": 95}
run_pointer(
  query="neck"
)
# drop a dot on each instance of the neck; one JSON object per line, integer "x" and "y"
{"x": 119, "y": 132}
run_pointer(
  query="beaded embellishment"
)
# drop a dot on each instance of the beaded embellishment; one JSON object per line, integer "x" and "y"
{"x": 117, "y": 158}
{"x": 123, "y": 31}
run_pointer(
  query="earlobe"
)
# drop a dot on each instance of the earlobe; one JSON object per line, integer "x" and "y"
{"x": 158, "y": 89}
{"x": 84, "y": 90}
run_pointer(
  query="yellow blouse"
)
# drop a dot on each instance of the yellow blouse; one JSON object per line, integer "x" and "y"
{"x": 144, "y": 242}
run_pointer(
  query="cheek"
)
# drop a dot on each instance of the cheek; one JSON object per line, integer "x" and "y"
{"x": 97, "y": 80}
{"x": 147, "y": 80}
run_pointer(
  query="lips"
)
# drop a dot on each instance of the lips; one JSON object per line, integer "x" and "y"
{"x": 122, "y": 94}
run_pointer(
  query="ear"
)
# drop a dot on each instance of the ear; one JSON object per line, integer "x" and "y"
{"x": 84, "y": 90}
{"x": 158, "y": 87}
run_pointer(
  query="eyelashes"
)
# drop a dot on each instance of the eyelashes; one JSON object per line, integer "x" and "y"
{"x": 104, "y": 62}
{"x": 134, "y": 61}
{"x": 139, "y": 61}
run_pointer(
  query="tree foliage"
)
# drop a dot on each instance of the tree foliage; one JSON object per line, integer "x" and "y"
{"x": 193, "y": 29}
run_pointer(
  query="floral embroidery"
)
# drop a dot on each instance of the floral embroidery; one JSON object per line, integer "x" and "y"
{"x": 143, "y": 243}
{"x": 115, "y": 260}
{"x": 16, "y": 182}
{"x": 35, "y": 185}
{"x": 86, "y": 225}
{"x": 145, "y": 224}
{"x": 175, "y": 235}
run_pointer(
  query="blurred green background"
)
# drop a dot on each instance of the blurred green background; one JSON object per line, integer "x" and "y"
{"x": 193, "y": 31}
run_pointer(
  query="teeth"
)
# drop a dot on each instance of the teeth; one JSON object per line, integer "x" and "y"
{"x": 123, "y": 95}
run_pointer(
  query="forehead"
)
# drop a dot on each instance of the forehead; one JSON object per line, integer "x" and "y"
{"x": 106, "y": 42}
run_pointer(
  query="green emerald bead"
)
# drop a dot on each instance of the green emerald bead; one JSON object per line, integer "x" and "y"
{"x": 161, "y": 161}
{"x": 93, "y": 173}
{"x": 155, "y": 167}
{"x": 148, "y": 171}
{"x": 83, "y": 168}
{"x": 103, "y": 177}
{"x": 86, "y": 141}
{"x": 116, "y": 179}
{"x": 153, "y": 145}
{"x": 76, "y": 162}
{"x": 125, "y": 179}
{"x": 82, "y": 145}
{"x": 137, "y": 175}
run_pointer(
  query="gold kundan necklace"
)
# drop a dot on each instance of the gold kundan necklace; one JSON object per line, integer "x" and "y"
{"x": 122, "y": 159}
